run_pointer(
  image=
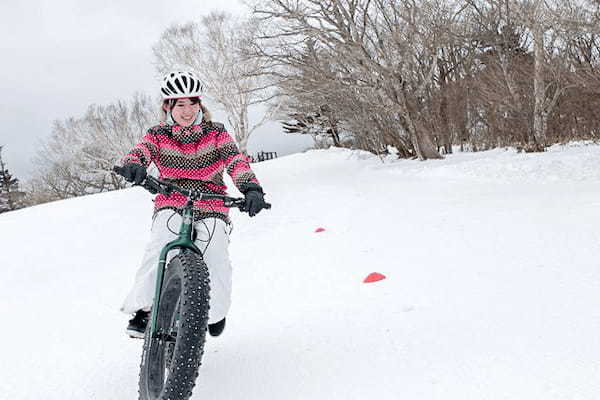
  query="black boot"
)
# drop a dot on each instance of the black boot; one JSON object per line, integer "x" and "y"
{"x": 217, "y": 328}
{"x": 137, "y": 325}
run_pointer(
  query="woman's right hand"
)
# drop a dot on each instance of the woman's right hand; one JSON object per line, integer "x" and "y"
{"x": 134, "y": 173}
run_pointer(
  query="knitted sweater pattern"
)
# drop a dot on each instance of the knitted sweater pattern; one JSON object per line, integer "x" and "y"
{"x": 188, "y": 155}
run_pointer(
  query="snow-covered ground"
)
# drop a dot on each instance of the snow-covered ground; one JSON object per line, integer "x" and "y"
{"x": 492, "y": 292}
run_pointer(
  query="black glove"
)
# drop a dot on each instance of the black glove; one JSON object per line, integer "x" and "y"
{"x": 134, "y": 173}
{"x": 254, "y": 201}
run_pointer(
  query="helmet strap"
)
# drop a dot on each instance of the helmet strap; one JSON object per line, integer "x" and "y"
{"x": 169, "y": 119}
{"x": 199, "y": 118}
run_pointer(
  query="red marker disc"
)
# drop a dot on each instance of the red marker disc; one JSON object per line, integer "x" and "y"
{"x": 374, "y": 277}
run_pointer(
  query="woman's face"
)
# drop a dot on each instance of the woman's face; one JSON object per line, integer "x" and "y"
{"x": 185, "y": 112}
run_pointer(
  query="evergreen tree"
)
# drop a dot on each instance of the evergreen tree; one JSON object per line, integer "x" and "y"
{"x": 11, "y": 198}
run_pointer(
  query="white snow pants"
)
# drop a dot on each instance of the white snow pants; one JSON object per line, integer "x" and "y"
{"x": 216, "y": 257}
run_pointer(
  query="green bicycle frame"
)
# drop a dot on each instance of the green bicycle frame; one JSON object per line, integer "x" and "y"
{"x": 184, "y": 241}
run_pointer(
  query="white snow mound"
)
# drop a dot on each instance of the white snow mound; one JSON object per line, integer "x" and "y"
{"x": 492, "y": 288}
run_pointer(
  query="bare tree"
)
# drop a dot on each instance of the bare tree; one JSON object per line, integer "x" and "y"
{"x": 538, "y": 17}
{"x": 78, "y": 156}
{"x": 427, "y": 75}
{"x": 372, "y": 60}
{"x": 215, "y": 49}
{"x": 546, "y": 29}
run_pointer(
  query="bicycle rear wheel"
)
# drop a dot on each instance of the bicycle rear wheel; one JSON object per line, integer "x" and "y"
{"x": 170, "y": 361}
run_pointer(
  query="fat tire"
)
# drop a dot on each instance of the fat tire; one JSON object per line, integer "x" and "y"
{"x": 183, "y": 310}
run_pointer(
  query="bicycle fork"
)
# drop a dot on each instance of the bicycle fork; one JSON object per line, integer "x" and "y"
{"x": 184, "y": 241}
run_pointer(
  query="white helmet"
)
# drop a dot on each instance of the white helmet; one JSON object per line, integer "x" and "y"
{"x": 176, "y": 85}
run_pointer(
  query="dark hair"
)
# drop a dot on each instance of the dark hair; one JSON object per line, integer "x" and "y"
{"x": 170, "y": 103}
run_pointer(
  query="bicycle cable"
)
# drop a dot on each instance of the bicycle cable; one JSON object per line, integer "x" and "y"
{"x": 210, "y": 233}
{"x": 169, "y": 220}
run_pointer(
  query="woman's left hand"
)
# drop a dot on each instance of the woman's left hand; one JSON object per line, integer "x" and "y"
{"x": 254, "y": 202}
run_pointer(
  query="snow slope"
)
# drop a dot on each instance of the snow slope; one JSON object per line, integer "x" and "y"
{"x": 492, "y": 289}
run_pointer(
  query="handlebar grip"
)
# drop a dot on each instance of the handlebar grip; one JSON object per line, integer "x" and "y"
{"x": 118, "y": 170}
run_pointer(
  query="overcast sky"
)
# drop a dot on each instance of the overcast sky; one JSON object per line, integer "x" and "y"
{"x": 60, "y": 56}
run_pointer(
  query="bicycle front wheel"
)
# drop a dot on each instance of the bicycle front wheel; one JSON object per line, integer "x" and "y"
{"x": 171, "y": 359}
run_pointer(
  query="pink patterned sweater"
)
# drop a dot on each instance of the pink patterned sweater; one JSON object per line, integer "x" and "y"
{"x": 185, "y": 155}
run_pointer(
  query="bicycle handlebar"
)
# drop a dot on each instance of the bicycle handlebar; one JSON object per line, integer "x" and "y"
{"x": 154, "y": 185}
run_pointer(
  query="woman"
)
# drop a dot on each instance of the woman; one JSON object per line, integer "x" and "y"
{"x": 189, "y": 150}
